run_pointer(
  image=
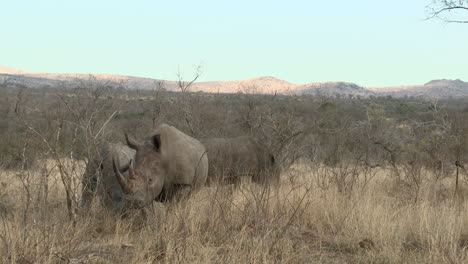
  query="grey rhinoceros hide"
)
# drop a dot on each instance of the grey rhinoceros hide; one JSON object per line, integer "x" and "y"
{"x": 232, "y": 158}
{"x": 166, "y": 162}
{"x": 99, "y": 176}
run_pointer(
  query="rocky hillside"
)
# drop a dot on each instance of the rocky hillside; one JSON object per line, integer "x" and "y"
{"x": 10, "y": 77}
{"x": 333, "y": 88}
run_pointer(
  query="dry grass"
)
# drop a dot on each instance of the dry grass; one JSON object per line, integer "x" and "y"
{"x": 304, "y": 220}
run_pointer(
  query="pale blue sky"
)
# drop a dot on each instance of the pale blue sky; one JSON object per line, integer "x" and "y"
{"x": 368, "y": 42}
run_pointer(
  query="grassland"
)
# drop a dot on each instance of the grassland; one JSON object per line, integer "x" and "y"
{"x": 303, "y": 220}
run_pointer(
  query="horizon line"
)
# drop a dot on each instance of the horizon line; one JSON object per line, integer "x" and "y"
{"x": 17, "y": 71}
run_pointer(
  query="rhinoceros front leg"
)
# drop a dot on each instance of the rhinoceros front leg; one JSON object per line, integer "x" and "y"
{"x": 174, "y": 192}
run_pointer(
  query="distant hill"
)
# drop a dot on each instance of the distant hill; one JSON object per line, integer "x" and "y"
{"x": 333, "y": 88}
{"x": 433, "y": 89}
{"x": 10, "y": 76}
{"x": 264, "y": 85}
{"x": 7, "y": 70}
{"x": 267, "y": 84}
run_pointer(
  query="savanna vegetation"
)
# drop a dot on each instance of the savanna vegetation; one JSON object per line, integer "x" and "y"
{"x": 364, "y": 180}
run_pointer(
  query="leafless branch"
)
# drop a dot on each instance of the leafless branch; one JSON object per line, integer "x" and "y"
{"x": 440, "y": 7}
{"x": 105, "y": 123}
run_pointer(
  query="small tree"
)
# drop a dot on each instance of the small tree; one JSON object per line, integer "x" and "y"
{"x": 187, "y": 101}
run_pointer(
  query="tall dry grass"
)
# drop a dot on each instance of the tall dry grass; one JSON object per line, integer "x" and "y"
{"x": 303, "y": 220}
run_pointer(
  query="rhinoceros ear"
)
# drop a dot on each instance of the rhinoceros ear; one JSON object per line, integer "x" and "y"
{"x": 157, "y": 142}
{"x": 131, "y": 142}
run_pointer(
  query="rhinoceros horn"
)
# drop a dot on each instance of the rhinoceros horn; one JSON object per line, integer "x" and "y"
{"x": 131, "y": 172}
{"x": 126, "y": 184}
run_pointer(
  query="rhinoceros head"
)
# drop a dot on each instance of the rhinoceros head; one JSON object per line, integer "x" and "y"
{"x": 146, "y": 174}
